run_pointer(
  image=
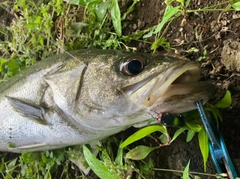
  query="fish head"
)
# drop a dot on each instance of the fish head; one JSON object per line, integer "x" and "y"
{"x": 169, "y": 84}
{"x": 121, "y": 89}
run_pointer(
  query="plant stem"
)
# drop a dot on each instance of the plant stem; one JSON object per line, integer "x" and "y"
{"x": 209, "y": 10}
{"x": 179, "y": 171}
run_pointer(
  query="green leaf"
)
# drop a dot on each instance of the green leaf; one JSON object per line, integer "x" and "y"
{"x": 2, "y": 64}
{"x": 3, "y": 32}
{"x": 215, "y": 112}
{"x": 147, "y": 167}
{"x": 48, "y": 175}
{"x": 77, "y": 28}
{"x": 40, "y": 40}
{"x": 13, "y": 66}
{"x": 194, "y": 126}
{"x": 119, "y": 158}
{"x": 169, "y": 13}
{"x": 96, "y": 165}
{"x": 116, "y": 17}
{"x": 12, "y": 164}
{"x": 2, "y": 167}
{"x": 203, "y": 144}
{"x": 236, "y": 6}
{"x": 178, "y": 132}
{"x": 187, "y": 3}
{"x": 169, "y": 2}
{"x": 163, "y": 138}
{"x": 190, "y": 135}
{"x": 225, "y": 102}
{"x": 101, "y": 10}
{"x": 130, "y": 9}
{"x": 186, "y": 172}
{"x": 76, "y": 2}
{"x": 217, "y": 115}
{"x": 149, "y": 34}
{"x": 143, "y": 133}
{"x": 157, "y": 43}
{"x": 139, "y": 152}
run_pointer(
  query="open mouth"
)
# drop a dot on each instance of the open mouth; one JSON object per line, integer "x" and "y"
{"x": 175, "y": 91}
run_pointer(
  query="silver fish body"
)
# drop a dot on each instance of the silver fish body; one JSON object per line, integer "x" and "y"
{"x": 87, "y": 95}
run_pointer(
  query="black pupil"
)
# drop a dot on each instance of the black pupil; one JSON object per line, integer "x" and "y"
{"x": 135, "y": 67}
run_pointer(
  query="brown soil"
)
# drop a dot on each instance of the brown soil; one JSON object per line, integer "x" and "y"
{"x": 213, "y": 28}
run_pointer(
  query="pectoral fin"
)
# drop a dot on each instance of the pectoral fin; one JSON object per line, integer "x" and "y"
{"x": 28, "y": 110}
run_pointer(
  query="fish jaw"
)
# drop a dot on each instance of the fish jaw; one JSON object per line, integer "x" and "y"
{"x": 174, "y": 91}
{"x": 182, "y": 97}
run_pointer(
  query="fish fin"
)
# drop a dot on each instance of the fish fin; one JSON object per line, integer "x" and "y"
{"x": 29, "y": 110}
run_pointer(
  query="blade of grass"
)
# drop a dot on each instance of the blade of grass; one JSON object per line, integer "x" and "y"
{"x": 96, "y": 165}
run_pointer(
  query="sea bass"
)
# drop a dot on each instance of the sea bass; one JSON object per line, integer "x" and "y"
{"x": 87, "y": 95}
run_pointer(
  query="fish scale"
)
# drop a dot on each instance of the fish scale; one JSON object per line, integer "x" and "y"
{"x": 87, "y": 95}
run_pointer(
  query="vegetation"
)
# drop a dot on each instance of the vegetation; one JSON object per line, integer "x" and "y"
{"x": 46, "y": 27}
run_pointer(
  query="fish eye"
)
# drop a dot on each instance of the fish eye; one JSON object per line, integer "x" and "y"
{"x": 133, "y": 65}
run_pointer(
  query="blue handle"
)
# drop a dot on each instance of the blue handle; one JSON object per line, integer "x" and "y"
{"x": 218, "y": 149}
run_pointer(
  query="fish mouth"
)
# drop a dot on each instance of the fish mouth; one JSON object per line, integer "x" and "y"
{"x": 175, "y": 90}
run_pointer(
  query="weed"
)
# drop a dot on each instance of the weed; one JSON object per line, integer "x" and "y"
{"x": 177, "y": 8}
{"x": 42, "y": 29}
{"x": 204, "y": 57}
{"x": 49, "y": 27}
{"x": 32, "y": 33}
{"x": 193, "y": 125}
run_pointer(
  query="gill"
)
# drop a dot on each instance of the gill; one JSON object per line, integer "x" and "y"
{"x": 60, "y": 50}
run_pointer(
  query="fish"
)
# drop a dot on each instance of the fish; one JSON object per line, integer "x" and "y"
{"x": 87, "y": 95}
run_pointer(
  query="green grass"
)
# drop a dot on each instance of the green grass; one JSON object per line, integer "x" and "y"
{"x": 42, "y": 29}
{"x": 177, "y": 8}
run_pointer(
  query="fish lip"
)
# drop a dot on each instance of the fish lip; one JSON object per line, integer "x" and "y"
{"x": 163, "y": 86}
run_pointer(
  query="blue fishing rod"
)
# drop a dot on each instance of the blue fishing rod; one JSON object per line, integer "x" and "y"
{"x": 218, "y": 149}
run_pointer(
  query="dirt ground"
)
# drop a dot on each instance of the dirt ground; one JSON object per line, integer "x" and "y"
{"x": 213, "y": 29}
{"x": 218, "y": 34}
